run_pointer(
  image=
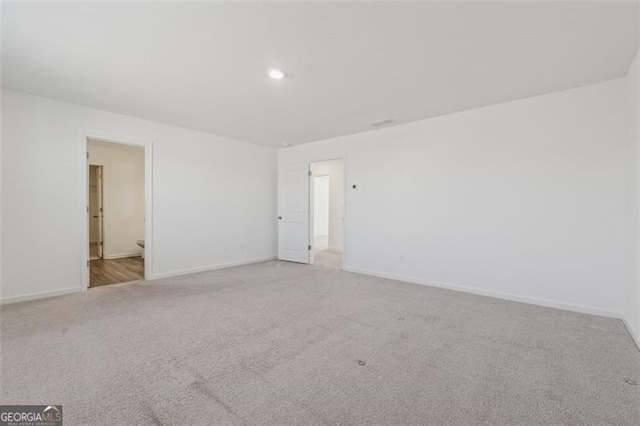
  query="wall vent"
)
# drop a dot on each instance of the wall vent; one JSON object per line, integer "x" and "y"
{"x": 384, "y": 122}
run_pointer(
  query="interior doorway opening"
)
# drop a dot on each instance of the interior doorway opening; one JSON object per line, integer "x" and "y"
{"x": 327, "y": 199}
{"x": 116, "y": 212}
{"x": 95, "y": 213}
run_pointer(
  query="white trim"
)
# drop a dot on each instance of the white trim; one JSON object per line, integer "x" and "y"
{"x": 148, "y": 210}
{"x": 85, "y": 250}
{"x": 312, "y": 214}
{"x": 40, "y": 295}
{"x": 212, "y": 267}
{"x": 636, "y": 339}
{"x": 65, "y": 291}
{"x": 499, "y": 295}
{"x": 122, "y": 255}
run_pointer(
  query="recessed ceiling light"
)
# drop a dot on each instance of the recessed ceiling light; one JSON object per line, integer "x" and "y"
{"x": 286, "y": 144}
{"x": 276, "y": 74}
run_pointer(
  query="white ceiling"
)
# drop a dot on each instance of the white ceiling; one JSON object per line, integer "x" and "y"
{"x": 203, "y": 65}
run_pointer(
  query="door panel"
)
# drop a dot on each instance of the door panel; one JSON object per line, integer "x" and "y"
{"x": 100, "y": 211}
{"x": 293, "y": 219}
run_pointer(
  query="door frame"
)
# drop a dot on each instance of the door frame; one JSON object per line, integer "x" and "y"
{"x": 84, "y": 204}
{"x": 344, "y": 207}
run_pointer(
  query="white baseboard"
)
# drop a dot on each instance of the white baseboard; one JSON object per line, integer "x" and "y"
{"x": 61, "y": 292}
{"x": 121, "y": 256}
{"x": 212, "y": 267}
{"x": 506, "y": 296}
{"x": 40, "y": 295}
{"x": 636, "y": 339}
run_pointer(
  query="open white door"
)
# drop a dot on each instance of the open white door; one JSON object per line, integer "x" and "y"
{"x": 100, "y": 212}
{"x": 293, "y": 216}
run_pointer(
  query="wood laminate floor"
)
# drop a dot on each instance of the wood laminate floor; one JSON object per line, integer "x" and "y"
{"x": 114, "y": 271}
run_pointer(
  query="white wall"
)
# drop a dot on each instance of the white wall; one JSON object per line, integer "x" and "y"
{"x": 524, "y": 200}
{"x": 123, "y": 196}
{"x": 335, "y": 170}
{"x": 214, "y": 199}
{"x": 632, "y": 294}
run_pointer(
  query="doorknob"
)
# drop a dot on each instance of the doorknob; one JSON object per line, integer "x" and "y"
{"x": 279, "y": 217}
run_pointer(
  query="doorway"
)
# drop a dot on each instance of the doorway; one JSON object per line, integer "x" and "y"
{"x": 116, "y": 212}
{"x": 321, "y": 207}
{"x": 95, "y": 212}
{"x": 327, "y": 200}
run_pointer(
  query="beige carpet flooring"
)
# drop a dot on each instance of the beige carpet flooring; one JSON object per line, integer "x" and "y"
{"x": 281, "y": 343}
